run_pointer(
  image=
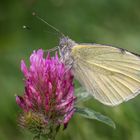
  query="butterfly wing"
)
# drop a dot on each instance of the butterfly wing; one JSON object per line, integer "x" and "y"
{"x": 110, "y": 74}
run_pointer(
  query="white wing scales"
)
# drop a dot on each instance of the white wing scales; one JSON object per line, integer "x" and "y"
{"x": 110, "y": 75}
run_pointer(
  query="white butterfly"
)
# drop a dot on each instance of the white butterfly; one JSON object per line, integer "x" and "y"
{"x": 111, "y": 75}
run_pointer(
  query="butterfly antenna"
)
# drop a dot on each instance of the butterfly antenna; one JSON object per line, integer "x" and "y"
{"x": 26, "y": 27}
{"x": 44, "y": 21}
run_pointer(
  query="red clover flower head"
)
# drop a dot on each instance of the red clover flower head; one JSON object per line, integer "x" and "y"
{"x": 48, "y": 100}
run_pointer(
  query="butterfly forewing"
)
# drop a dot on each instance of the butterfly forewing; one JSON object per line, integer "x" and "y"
{"x": 110, "y": 74}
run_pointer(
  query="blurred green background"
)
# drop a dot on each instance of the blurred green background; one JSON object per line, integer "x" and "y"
{"x": 115, "y": 22}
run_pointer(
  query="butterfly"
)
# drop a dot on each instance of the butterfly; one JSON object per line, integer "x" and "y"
{"x": 110, "y": 74}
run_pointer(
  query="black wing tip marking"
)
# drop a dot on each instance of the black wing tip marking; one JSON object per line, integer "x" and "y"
{"x": 123, "y": 51}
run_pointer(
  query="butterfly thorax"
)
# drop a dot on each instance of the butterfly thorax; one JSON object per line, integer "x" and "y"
{"x": 66, "y": 45}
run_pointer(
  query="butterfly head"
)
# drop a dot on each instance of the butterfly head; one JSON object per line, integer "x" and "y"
{"x": 65, "y": 46}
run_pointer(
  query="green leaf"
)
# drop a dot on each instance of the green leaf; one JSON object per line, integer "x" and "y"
{"x": 82, "y": 95}
{"x": 91, "y": 114}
